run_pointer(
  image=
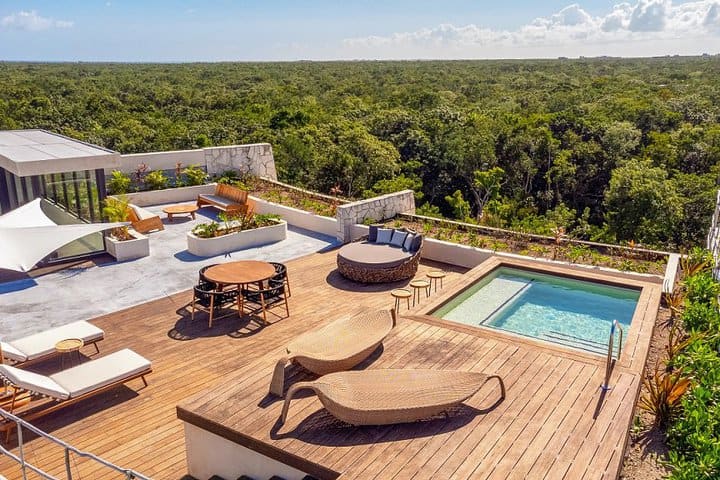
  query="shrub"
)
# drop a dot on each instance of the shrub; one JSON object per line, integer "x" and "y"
{"x": 156, "y": 180}
{"x": 117, "y": 210}
{"x": 701, "y": 317}
{"x": 702, "y": 288}
{"x": 664, "y": 393}
{"x": 194, "y": 175}
{"x": 119, "y": 183}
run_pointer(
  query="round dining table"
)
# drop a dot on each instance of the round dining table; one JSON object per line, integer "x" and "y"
{"x": 240, "y": 272}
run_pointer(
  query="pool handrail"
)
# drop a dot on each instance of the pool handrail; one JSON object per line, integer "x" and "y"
{"x": 610, "y": 363}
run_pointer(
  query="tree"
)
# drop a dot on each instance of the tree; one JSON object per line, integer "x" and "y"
{"x": 486, "y": 187}
{"x": 460, "y": 206}
{"x": 642, "y": 203}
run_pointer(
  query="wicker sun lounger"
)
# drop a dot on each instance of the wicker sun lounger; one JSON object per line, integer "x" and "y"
{"x": 336, "y": 347}
{"x": 382, "y": 397}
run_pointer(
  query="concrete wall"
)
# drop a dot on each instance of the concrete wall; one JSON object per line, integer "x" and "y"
{"x": 169, "y": 195}
{"x": 256, "y": 159}
{"x": 209, "y": 454}
{"x": 377, "y": 208}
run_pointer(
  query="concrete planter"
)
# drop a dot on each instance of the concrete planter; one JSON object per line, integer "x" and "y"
{"x": 128, "y": 249}
{"x": 210, "y": 247}
{"x": 297, "y": 218}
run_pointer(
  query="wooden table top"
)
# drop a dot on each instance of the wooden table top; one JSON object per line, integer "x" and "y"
{"x": 240, "y": 272}
{"x": 182, "y": 208}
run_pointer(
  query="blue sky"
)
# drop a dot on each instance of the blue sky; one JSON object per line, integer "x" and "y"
{"x": 176, "y": 31}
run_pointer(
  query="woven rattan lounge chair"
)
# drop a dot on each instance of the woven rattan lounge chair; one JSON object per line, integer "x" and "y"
{"x": 34, "y": 395}
{"x": 383, "y": 397}
{"x": 337, "y": 346}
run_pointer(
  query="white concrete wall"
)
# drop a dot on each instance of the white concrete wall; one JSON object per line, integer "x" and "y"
{"x": 209, "y": 454}
{"x": 255, "y": 159}
{"x": 169, "y": 195}
{"x": 377, "y": 208}
{"x": 297, "y": 218}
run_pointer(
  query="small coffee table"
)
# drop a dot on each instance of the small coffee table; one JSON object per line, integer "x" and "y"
{"x": 182, "y": 209}
{"x": 66, "y": 347}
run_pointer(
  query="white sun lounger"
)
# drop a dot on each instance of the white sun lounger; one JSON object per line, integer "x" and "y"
{"x": 34, "y": 395}
{"x": 41, "y": 345}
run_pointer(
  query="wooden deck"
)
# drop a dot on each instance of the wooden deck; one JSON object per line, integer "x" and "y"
{"x": 554, "y": 422}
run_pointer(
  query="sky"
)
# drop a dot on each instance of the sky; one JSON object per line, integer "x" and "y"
{"x": 252, "y": 30}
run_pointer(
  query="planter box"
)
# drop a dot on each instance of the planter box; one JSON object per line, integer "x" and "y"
{"x": 129, "y": 249}
{"x": 211, "y": 247}
{"x": 169, "y": 195}
{"x": 295, "y": 217}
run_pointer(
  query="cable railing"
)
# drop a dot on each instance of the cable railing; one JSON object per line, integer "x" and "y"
{"x": 610, "y": 363}
{"x": 26, "y": 467}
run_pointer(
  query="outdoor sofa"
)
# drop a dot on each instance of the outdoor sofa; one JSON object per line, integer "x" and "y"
{"x": 388, "y": 255}
{"x": 41, "y": 346}
{"x": 226, "y": 198}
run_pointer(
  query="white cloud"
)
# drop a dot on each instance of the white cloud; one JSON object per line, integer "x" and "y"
{"x": 626, "y": 30}
{"x": 31, "y": 21}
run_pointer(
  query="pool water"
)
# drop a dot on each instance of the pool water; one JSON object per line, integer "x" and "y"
{"x": 561, "y": 310}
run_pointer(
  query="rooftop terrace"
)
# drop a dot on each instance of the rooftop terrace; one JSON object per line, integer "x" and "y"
{"x": 554, "y": 422}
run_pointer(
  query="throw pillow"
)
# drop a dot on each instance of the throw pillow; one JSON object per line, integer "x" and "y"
{"x": 372, "y": 234}
{"x": 416, "y": 244}
{"x": 398, "y": 238}
{"x": 408, "y": 241}
{"x": 384, "y": 235}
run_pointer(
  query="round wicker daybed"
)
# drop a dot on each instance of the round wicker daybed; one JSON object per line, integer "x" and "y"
{"x": 369, "y": 262}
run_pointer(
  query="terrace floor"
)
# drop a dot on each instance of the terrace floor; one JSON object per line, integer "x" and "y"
{"x": 554, "y": 422}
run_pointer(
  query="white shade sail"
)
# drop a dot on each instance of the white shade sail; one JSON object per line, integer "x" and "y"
{"x": 27, "y": 236}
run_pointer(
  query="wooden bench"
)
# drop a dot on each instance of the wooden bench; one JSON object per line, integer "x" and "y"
{"x": 225, "y": 198}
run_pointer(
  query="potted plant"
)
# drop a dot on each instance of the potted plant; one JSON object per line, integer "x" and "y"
{"x": 123, "y": 243}
{"x": 236, "y": 232}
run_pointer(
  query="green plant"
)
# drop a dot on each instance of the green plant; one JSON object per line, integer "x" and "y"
{"x": 156, "y": 180}
{"x": 700, "y": 317}
{"x": 206, "y": 230}
{"x": 696, "y": 261}
{"x": 194, "y": 175}
{"x": 369, "y": 221}
{"x": 117, "y": 209}
{"x": 702, "y": 288}
{"x": 577, "y": 252}
{"x": 674, "y": 301}
{"x": 119, "y": 183}
{"x": 664, "y": 392}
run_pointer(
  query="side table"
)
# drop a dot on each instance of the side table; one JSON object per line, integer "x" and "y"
{"x": 66, "y": 347}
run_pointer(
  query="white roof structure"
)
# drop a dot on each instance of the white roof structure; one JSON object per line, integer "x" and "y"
{"x": 27, "y": 236}
{"x": 37, "y": 152}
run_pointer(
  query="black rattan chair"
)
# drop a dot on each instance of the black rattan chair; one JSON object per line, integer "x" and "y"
{"x": 203, "y": 281}
{"x": 281, "y": 274}
{"x": 211, "y": 301}
{"x": 262, "y": 300}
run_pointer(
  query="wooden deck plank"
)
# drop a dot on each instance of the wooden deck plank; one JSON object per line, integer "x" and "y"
{"x": 542, "y": 429}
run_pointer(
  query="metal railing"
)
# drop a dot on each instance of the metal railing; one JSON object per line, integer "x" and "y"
{"x": 25, "y": 466}
{"x": 610, "y": 363}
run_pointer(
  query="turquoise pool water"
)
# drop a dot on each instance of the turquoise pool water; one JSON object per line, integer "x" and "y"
{"x": 570, "y": 312}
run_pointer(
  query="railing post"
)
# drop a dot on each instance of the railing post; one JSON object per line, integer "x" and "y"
{"x": 68, "y": 471}
{"x": 23, "y": 467}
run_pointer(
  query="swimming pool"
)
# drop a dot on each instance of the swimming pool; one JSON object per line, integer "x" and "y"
{"x": 553, "y": 308}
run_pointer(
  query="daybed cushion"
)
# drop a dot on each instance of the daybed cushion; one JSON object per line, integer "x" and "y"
{"x": 417, "y": 243}
{"x": 216, "y": 199}
{"x": 384, "y": 235}
{"x": 43, "y": 343}
{"x": 96, "y": 374}
{"x": 33, "y": 382}
{"x": 398, "y": 238}
{"x": 373, "y": 255}
{"x": 372, "y": 233}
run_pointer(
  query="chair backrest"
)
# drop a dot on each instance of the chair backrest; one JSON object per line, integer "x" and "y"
{"x": 201, "y": 274}
{"x": 231, "y": 193}
{"x": 280, "y": 271}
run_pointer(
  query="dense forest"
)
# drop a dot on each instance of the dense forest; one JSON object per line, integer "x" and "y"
{"x": 609, "y": 149}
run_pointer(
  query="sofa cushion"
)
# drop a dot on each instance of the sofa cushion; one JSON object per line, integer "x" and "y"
{"x": 398, "y": 238}
{"x": 373, "y": 255}
{"x": 384, "y": 235}
{"x": 33, "y": 382}
{"x": 407, "y": 244}
{"x": 43, "y": 343}
{"x": 98, "y": 373}
{"x": 216, "y": 199}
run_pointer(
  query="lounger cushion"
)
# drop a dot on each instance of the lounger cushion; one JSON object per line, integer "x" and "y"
{"x": 34, "y": 382}
{"x": 43, "y": 343}
{"x": 141, "y": 213}
{"x": 8, "y": 351}
{"x": 96, "y": 374}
